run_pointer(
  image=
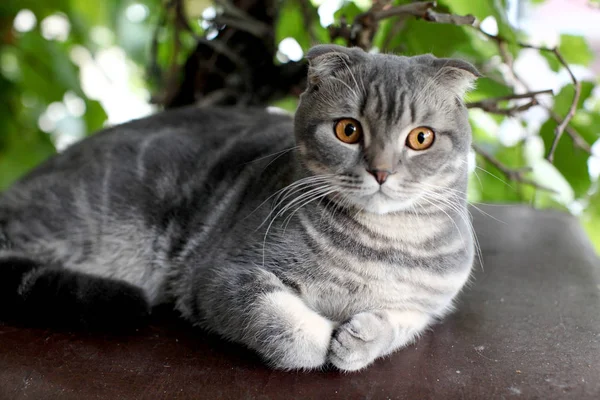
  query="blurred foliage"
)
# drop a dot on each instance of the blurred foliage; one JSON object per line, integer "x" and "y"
{"x": 37, "y": 72}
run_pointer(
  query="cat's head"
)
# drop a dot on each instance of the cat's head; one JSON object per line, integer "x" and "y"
{"x": 385, "y": 131}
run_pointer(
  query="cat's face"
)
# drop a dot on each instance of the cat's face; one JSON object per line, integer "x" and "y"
{"x": 386, "y": 132}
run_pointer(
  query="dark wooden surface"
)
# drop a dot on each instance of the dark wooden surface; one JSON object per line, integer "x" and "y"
{"x": 528, "y": 327}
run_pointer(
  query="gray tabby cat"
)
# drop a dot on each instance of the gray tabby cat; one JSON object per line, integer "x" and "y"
{"x": 337, "y": 237}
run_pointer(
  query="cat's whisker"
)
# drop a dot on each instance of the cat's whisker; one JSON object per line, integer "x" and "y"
{"x": 288, "y": 190}
{"x": 304, "y": 195}
{"x": 277, "y": 153}
{"x": 466, "y": 217}
{"x": 428, "y": 199}
{"x": 479, "y": 179}
{"x": 446, "y": 189}
{"x": 495, "y": 176}
{"x": 280, "y": 155}
{"x": 301, "y": 197}
{"x": 295, "y": 186}
{"x": 304, "y": 204}
{"x": 488, "y": 172}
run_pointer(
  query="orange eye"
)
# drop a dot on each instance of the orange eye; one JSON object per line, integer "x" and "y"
{"x": 348, "y": 130}
{"x": 420, "y": 138}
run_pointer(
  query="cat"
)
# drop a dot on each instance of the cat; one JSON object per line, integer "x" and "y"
{"x": 331, "y": 238}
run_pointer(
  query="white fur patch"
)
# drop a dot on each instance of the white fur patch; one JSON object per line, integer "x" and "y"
{"x": 310, "y": 331}
{"x": 407, "y": 326}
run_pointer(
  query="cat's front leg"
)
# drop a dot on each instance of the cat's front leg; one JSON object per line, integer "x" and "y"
{"x": 370, "y": 335}
{"x": 252, "y": 306}
{"x": 287, "y": 333}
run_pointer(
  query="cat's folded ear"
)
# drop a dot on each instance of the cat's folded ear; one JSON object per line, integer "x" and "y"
{"x": 457, "y": 75}
{"x": 325, "y": 59}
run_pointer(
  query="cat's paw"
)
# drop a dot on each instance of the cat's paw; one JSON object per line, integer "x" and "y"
{"x": 358, "y": 342}
{"x": 288, "y": 334}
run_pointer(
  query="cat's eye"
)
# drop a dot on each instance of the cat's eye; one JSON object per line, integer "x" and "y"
{"x": 420, "y": 138}
{"x": 348, "y": 130}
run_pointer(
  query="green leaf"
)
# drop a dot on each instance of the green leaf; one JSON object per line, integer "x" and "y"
{"x": 587, "y": 124}
{"x": 553, "y": 62}
{"x": 564, "y": 99}
{"x": 482, "y": 9}
{"x": 287, "y": 103}
{"x": 349, "y": 10}
{"x": 591, "y": 220}
{"x": 493, "y": 185}
{"x": 575, "y": 50}
{"x": 22, "y": 153}
{"x": 94, "y": 116}
{"x": 442, "y": 40}
{"x": 488, "y": 88}
{"x": 569, "y": 160}
{"x": 291, "y": 24}
{"x": 47, "y": 58}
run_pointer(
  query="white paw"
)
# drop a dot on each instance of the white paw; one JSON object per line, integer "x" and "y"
{"x": 292, "y": 336}
{"x": 358, "y": 342}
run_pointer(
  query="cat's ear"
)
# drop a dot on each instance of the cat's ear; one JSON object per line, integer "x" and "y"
{"x": 325, "y": 59}
{"x": 458, "y": 75}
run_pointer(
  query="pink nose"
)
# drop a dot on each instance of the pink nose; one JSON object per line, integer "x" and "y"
{"x": 380, "y": 175}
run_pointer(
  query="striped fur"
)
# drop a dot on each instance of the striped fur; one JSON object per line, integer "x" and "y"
{"x": 264, "y": 229}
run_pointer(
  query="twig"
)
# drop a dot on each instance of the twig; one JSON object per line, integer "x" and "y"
{"x": 246, "y": 25}
{"x": 521, "y": 96}
{"x": 578, "y": 140}
{"x": 560, "y": 128}
{"x": 562, "y": 122}
{"x": 433, "y": 16}
{"x": 154, "y": 71}
{"x": 238, "y": 18}
{"x": 492, "y": 105}
{"x": 418, "y": 9}
{"x": 363, "y": 29}
{"x": 512, "y": 174}
{"x": 308, "y": 16}
{"x": 494, "y": 108}
{"x": 558, "y": 132}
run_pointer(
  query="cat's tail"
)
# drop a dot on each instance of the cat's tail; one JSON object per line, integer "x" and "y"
{"x": 57, "y": 297}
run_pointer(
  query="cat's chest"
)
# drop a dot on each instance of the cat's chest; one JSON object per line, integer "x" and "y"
{"x": 339, "y": 291}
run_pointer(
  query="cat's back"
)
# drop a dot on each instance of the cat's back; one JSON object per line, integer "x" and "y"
{"x": 158, "y": 152}
{"x": 139, "y": 172}
{"x": 174, "y": 138}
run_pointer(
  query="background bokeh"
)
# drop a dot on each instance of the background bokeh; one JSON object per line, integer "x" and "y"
{"x": 70, "y": 67}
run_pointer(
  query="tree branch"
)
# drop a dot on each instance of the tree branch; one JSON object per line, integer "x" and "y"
{"x": 236, "y": 17}
{"x": 562, "y": 122}
{"x": 560, "y": 128}
{"x": 364, "y": 26}
{"x": 434, "y": 16}
{"x": 492, "y": 105}
{"x": 309, "y": 17}
{"x": 418, "y": 9}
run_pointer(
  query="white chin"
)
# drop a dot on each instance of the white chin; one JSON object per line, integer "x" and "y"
{"x": 378, "y": 203}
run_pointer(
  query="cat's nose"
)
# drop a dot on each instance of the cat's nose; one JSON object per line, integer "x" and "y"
{"x": 380, "y": 175}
